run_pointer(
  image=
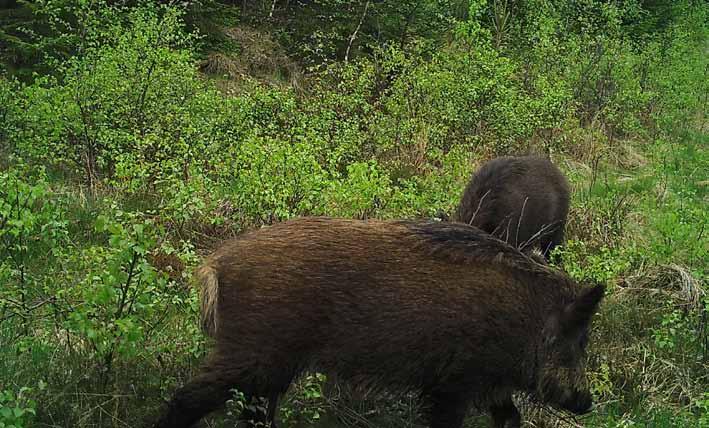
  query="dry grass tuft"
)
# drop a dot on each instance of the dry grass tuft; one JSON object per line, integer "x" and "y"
{"x": 670, "y": 281}
{"x": 259, "y": 57}
{"x": 626, "y": 156}
{"x": 602, "y": 226}
{"x": 209, "y": 235}
{"x": 632, "y": 319}
{"x": 222, "y": 64}
{"x": 168, "y": 263}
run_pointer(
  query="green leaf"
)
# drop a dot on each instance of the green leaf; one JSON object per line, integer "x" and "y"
{"x": 6, "y": 412}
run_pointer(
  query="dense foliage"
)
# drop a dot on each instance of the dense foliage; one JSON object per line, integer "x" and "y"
{"x": 135, "y": 136}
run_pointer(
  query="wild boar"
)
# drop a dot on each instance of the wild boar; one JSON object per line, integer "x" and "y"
{"x": 522, "y": 200}
{"x": 441, "y": 309}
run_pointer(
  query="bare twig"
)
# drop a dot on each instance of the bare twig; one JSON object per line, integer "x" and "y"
{"x": 354, "y": 35}
{"x": 480, "y": 204}
{"x": 545, "y": 230}
{"x": 519, "y": 220}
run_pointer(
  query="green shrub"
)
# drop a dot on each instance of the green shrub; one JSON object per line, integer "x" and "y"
{"x": 17, "y": 409}
{"x": 601, "y": 266}
{"x": 272, "y": 179}
{"x": 33, "y": 232}
{"x": 115, "y": 111}
{"x": 305, "y": 405}
{"x": 362, "y": 194}
{"x": 121, "y": 297}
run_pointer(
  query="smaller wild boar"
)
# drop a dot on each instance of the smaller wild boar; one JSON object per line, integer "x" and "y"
{"x": 522, "y": 200}
{"x": 442, "y": 309}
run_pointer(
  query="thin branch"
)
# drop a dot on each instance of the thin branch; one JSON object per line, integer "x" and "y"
{"x": 545, "y": 230}
{"x": 138, "y": 110}
{"x": 126, "y": 287}
{"x": 354, "y": 35}
{"x": 26, "y": 309}
{"x": 480, "y": 204}
{"x": 519, "y": 220}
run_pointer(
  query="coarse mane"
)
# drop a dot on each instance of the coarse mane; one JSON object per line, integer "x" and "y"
{"x": 462, "y": 243}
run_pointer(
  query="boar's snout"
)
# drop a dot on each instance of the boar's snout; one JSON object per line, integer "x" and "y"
{"x": 573, "y": 400}
{"x": 579, "y": 403}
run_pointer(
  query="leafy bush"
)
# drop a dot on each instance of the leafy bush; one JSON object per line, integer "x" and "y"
{"x": 113, "y": 113}
{"x": 114, "y": 305}
{"x": 32, "y": 234}
{"x": 599, "y": 266}
{"x": 272, "y": 179}
{"x": 17, "y": 410}
{"x": 9, "y": 114}
{"x": 361, "y": 195}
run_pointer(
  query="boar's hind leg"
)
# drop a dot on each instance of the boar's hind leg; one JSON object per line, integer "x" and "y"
{"x": 448, "y": 410}
{"x": 279, "y": 379}
{"x": 505, "y": 415}
{"x": 201, "y": 395}
{"x": 210, "y": 390}
{"x": 260, "y": 418}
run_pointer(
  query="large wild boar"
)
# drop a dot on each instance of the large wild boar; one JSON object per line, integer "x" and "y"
{"x": 442, "y": 309}
{"x": 522, "y": 200}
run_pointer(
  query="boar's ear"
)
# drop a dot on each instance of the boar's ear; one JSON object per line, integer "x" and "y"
{"x": 577, "y": 315}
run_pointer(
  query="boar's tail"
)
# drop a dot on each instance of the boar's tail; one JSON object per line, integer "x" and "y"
{"x": 207, "y": 280}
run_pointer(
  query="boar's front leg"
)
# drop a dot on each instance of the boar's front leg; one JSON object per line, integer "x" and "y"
{"x": 505, "y": 415}
{"x": 448, "y": 409}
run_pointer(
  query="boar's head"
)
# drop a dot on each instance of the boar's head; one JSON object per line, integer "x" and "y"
{"x": 561, "y": 356}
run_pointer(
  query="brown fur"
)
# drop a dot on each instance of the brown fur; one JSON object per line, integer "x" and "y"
{"x": 522, "y": 200}
{"x": 439, "y": 308}
{"x": 206, "y": 277}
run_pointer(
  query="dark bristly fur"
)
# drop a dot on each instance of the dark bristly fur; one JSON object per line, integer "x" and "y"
{"x": 439, "y": 308}
{"x": 506, "y": 188}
